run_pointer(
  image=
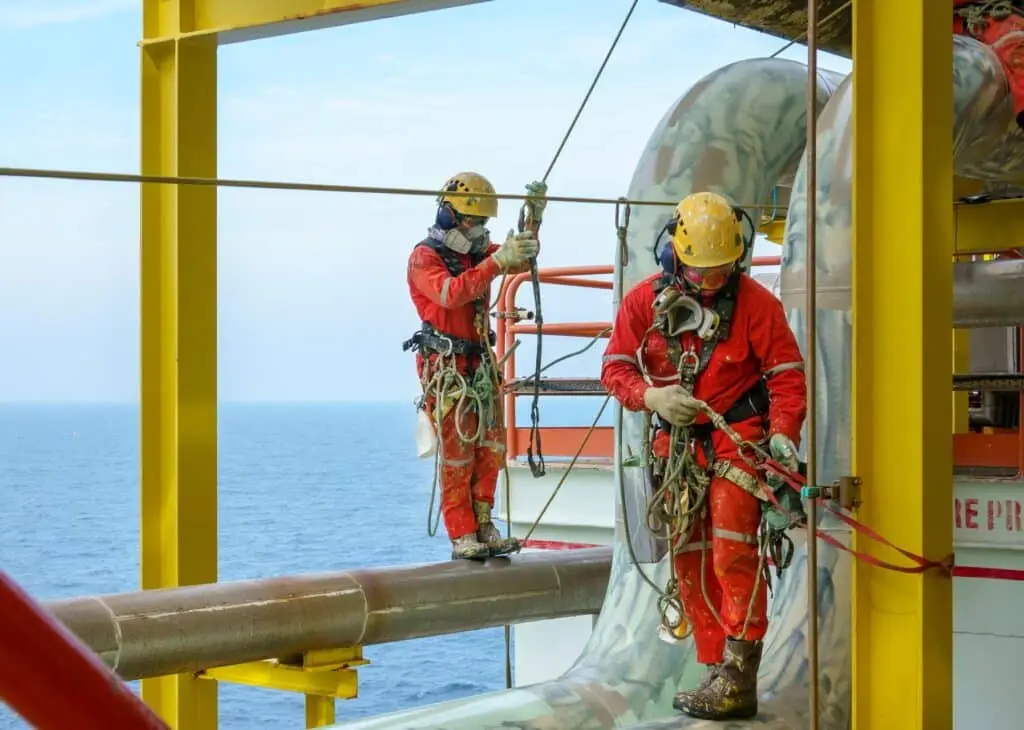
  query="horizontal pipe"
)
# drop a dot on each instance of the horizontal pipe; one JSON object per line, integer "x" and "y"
{"x": 994, "y": 382}
{"x": 567, "y": 329}
{"x": 988, "y": 293}
{"x": 171, "y": 630}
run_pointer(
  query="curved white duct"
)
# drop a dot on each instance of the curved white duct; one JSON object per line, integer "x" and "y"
{"x": 987, "y": 145}
{"x": 738, "y": 131}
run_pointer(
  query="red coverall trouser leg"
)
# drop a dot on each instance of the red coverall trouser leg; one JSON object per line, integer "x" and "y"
{"x": 727, "y": 550}
{"x": 469, "y": 471}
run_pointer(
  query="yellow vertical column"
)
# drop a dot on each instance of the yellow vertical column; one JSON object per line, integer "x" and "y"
{"x": 179, "y": 333}
{"x": 902, "y": 288}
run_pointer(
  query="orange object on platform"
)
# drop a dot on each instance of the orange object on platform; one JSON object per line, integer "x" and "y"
{"x": 40, "y": 654}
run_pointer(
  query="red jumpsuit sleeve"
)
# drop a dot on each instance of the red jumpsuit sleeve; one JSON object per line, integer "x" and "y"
{"x": 428, "y": 273}
{"x": 620, "y": 371}
{"x": 782, "y": 366}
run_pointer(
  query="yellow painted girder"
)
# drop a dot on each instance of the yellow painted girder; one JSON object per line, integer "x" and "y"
{"x": 902, "y": 410}
{"x": 989, "y": 227}
{"x": 334, "y": 683}
{"x": 774, "y": 230}
{"x": 233, "y": 21}
{"x": 178, "y": 337}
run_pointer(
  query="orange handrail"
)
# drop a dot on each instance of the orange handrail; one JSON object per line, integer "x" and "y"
{"x": 40, "y": 654}
{"x": 506, "y": 330}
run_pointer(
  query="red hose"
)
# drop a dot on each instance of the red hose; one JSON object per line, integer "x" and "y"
{"x": 53, "y": 680}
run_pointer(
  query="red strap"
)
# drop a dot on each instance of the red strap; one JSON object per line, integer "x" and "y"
{"x": 796, "y": 482}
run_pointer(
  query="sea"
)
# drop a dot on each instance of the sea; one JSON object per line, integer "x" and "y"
{"x": 303, "y": 488}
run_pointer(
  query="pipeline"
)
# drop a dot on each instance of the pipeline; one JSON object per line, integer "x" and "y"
{"x": 167, "y": 631}
{"x": 740, "y": 131}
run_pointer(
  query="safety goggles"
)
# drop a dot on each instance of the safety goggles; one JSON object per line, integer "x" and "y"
{"x": 707, "y": 279}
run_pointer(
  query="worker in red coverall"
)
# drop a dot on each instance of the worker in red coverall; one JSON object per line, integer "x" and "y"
{"x": 450, "y": 274}
{"x": 998, "y": 24}
{"x": 730, "y": 339}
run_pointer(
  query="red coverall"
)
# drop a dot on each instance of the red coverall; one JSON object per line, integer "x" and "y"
{"x": 760, "y": 344}
{"x": 468, "y": 471}
{"x": 1006, "y": 37}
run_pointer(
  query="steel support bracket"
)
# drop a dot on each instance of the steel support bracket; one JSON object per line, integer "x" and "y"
{"x": 773, "y": 229}
{"x": 845, "y": 491}
{"x": 327, "y": 673}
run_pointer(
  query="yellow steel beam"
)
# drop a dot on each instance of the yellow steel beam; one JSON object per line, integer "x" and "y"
{"x": 233, "y": 21}
{"x": 323, "y": 676}
{"x": 179, "y": 336}
{"x": 774, "y": 230}
{"x": 339, "y": 683}
{"x": 989, "y": 227}
{"x": 320, "y": 711}
{"x": 902, "y": 289}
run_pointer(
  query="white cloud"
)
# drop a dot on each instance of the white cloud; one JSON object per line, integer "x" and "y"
{"x": 25, "y": 14}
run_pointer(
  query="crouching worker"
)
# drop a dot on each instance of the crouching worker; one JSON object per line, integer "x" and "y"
{"x": 702, "y": 332}
{"x": 449, "y": 276}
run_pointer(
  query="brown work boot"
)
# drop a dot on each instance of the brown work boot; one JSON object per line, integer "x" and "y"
{"x": 730, "y": 692}
{"x": 687, "y": 695}
{"x": 468, "y": 547}
{"x": 488, "y": 534}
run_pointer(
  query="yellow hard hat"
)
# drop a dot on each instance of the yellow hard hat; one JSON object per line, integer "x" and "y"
{"x": 470, "y": 182}
{"x": 706, "y": 231}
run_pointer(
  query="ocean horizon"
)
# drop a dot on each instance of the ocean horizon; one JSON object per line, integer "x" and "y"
{"x": 304, "y": 487}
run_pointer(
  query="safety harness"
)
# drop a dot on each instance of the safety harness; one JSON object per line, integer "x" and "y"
{"x": 754, "y": 402}
{"x": 680, "y": 500}
{"x": 428, "y": 339}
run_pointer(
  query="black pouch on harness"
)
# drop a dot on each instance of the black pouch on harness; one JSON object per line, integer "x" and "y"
{"x": 429, "y": 341}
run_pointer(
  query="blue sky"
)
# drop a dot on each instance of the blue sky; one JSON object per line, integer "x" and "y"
{"x": 313, "y": 300}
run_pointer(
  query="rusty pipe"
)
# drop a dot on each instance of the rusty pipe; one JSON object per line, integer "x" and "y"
{"x": 811, "y": 357}
{"x": 171, "y": 630}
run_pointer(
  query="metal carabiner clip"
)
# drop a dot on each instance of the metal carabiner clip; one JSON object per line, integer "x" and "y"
{"x": 450, "y": 345}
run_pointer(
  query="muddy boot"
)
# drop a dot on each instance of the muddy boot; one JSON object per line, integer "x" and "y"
{"x": 731, "y": 689}
{"x": 468, "y": 548}
{"x": 685, "y": 697}
{"x": 488, "y": 533}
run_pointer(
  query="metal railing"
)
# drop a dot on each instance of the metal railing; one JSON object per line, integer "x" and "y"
{"x": 512, "y": 321}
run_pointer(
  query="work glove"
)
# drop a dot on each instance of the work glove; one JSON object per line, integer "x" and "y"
{"x": 783, "y": 450}
{"x": 673, "y": 404}
{"x": 536, "y": 196}
{"x": 517, "y": 250}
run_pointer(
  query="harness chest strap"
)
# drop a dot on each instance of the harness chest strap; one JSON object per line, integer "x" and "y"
{"x": 724, "y": 305}
{"x": 429, "y": 339}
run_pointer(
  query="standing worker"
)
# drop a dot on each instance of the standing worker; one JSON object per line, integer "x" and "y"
{"x": 702, "y": 332}
{"x": 450, "y": 274}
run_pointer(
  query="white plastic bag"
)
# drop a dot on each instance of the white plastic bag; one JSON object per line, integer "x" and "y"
{"x": 426, "y": 436}
{"x": 670, "y": 636}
